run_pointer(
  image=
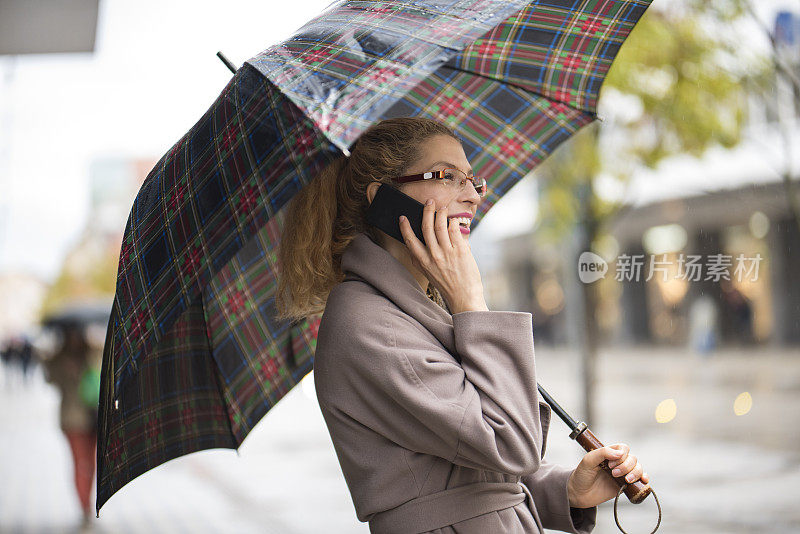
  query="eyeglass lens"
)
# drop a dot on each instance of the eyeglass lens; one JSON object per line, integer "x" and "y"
{"x": 457, "y": 176}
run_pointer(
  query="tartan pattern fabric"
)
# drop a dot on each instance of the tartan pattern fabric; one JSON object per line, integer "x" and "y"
{"x": 560, "y": 49}
{"x": 172, "y": 408}
{"x": 217, "y": 186}
{"x": 347, "y": 66}
{"x": 194, "y": 357}
{"x": 248, "y": 155}
{"x": 505, "y": 131}
{"x": 259, "y": 359}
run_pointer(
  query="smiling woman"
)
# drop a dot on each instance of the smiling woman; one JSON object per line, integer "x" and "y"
{"x": 429, "y": 397}
{"x": 327, "y": 214}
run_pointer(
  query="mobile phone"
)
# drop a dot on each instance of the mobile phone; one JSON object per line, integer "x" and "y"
{"x": 387, "y": 207}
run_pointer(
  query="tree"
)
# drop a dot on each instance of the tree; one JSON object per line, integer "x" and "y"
{"x": 684, "y": 90}
{"x": 780, "y": 70}
{"x": 89, "y": 272}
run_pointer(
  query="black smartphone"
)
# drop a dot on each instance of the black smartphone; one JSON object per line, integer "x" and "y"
{"x": 387, "y": 207}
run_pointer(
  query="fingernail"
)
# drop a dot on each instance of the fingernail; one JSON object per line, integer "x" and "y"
{"x": 629, "y": 478}
{"x": 429, "y": 202}
{"x": 616, "y": 472}
{"x": 402, "y": 218}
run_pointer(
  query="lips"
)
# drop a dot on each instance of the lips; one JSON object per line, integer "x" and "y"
{"x": 464, "y": 221}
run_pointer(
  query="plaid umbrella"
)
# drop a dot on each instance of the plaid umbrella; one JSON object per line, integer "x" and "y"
{"x": 194, "y": 357}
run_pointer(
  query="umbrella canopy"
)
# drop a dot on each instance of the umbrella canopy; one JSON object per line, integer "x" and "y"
{"x": 79, "y": 314}
{"x": 194, "y": 357}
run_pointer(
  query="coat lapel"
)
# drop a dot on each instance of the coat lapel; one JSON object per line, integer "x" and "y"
{"x": 367, "y": 261}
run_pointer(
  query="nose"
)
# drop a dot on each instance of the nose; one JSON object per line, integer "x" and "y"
{"x": 468, "y": 192}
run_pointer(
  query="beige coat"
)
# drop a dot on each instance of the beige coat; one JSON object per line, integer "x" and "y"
{"x": 435, "y": 418}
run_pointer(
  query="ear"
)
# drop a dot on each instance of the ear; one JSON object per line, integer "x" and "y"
{"x": 372, "y": 190}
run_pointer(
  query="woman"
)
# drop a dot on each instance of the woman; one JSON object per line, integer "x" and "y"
{"x": 70, "y": 370}
{"x": 430, "y": 398}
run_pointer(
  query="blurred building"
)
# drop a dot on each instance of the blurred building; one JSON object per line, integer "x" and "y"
{"x": 746, "y": 250}
{"x": 760, "y": 303}
{"x": 712, "y": 241}
{"x": 21, "y": 296}
{"x": 90, "y": 267}
{"x": 114, "y": 183}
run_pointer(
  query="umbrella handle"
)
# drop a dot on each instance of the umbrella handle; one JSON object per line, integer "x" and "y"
{"x": 635, "y": 491}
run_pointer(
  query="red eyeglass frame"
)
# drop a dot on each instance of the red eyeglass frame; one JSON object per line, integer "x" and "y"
{"x": 432, "y": 175}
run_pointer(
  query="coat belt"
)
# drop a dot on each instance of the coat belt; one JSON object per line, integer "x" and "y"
{"x": 447, "y": 507}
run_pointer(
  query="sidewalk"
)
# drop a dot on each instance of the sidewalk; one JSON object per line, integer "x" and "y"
{"x": 713, "y": 471}
{"x": 285, "y": 480}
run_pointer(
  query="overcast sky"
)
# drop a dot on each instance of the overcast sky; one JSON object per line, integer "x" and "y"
{"x": 153, "y": 74}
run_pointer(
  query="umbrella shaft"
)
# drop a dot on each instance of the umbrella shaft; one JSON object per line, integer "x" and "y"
{"x": 573, "y": 426}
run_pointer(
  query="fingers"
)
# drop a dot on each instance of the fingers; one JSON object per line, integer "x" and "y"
{"x": 440, "y": 226}
{"x": 415, "y": 246}
{"x": 625, "y": 464}
{"x": 632, "y": 473}
{"x": 597, "y": 456}
{"x": 428, "y": 230}
{"x": 616, "y": 453}
{"x": 435, "y": 231}
{"x": 456, "y": 238}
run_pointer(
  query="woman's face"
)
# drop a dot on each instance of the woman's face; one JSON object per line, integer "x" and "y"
{"x": 444, "y": 152}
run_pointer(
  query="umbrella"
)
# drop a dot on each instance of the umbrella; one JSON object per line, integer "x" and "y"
{"x": 194, "y": 357}
{"x": 79, "y": 314}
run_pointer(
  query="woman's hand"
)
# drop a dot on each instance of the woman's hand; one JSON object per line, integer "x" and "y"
{"x": 445, "y": 259}
{"x": 589, "y": 485}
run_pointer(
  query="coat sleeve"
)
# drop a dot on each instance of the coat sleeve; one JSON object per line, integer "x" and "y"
{"x": 548, "y": 487}
{"x": 389, "y": 374}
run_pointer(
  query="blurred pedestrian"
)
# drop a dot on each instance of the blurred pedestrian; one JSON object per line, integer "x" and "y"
{"x": 26, "y": 361}
{"x": 703, "y": 325}
{"x": 17, "y": 358}
{"x": 740, "y": 311}
{"x": 6, "y": 355}
{"x": 73, "y": 369}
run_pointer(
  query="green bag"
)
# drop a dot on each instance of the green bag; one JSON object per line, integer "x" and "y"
{"x": 89, "y": 388}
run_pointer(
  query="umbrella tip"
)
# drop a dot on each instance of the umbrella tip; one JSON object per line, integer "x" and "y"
{"x": 227, "y": 62}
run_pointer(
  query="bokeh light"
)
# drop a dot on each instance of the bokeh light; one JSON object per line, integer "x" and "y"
{"x": 666, "y": 410}
{"x": 743, "y": 403}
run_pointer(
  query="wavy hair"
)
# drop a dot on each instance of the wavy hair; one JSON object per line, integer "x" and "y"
{"x": 324, "y": 217}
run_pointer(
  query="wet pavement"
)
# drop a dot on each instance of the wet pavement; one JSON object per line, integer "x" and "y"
{"x": 714, "y": 471}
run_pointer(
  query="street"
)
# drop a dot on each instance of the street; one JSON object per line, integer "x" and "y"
{"x": 713, "y": 471}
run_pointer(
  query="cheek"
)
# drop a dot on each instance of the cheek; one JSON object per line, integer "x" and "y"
{"x": 422, "y": 192}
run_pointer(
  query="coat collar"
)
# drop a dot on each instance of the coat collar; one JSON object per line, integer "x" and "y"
{"x": 365, "y": 260}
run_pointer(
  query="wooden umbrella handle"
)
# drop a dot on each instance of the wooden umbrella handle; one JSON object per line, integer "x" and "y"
{"x": 636, "y": 491}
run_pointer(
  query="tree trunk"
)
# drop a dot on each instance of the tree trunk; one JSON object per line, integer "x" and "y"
{"x": 589, "y": 332}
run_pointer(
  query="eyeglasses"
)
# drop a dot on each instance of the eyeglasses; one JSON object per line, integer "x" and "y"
{"x": 455, "y": 178}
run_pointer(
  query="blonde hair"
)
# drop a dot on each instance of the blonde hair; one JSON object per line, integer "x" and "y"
{"x": 324, "y": 217}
